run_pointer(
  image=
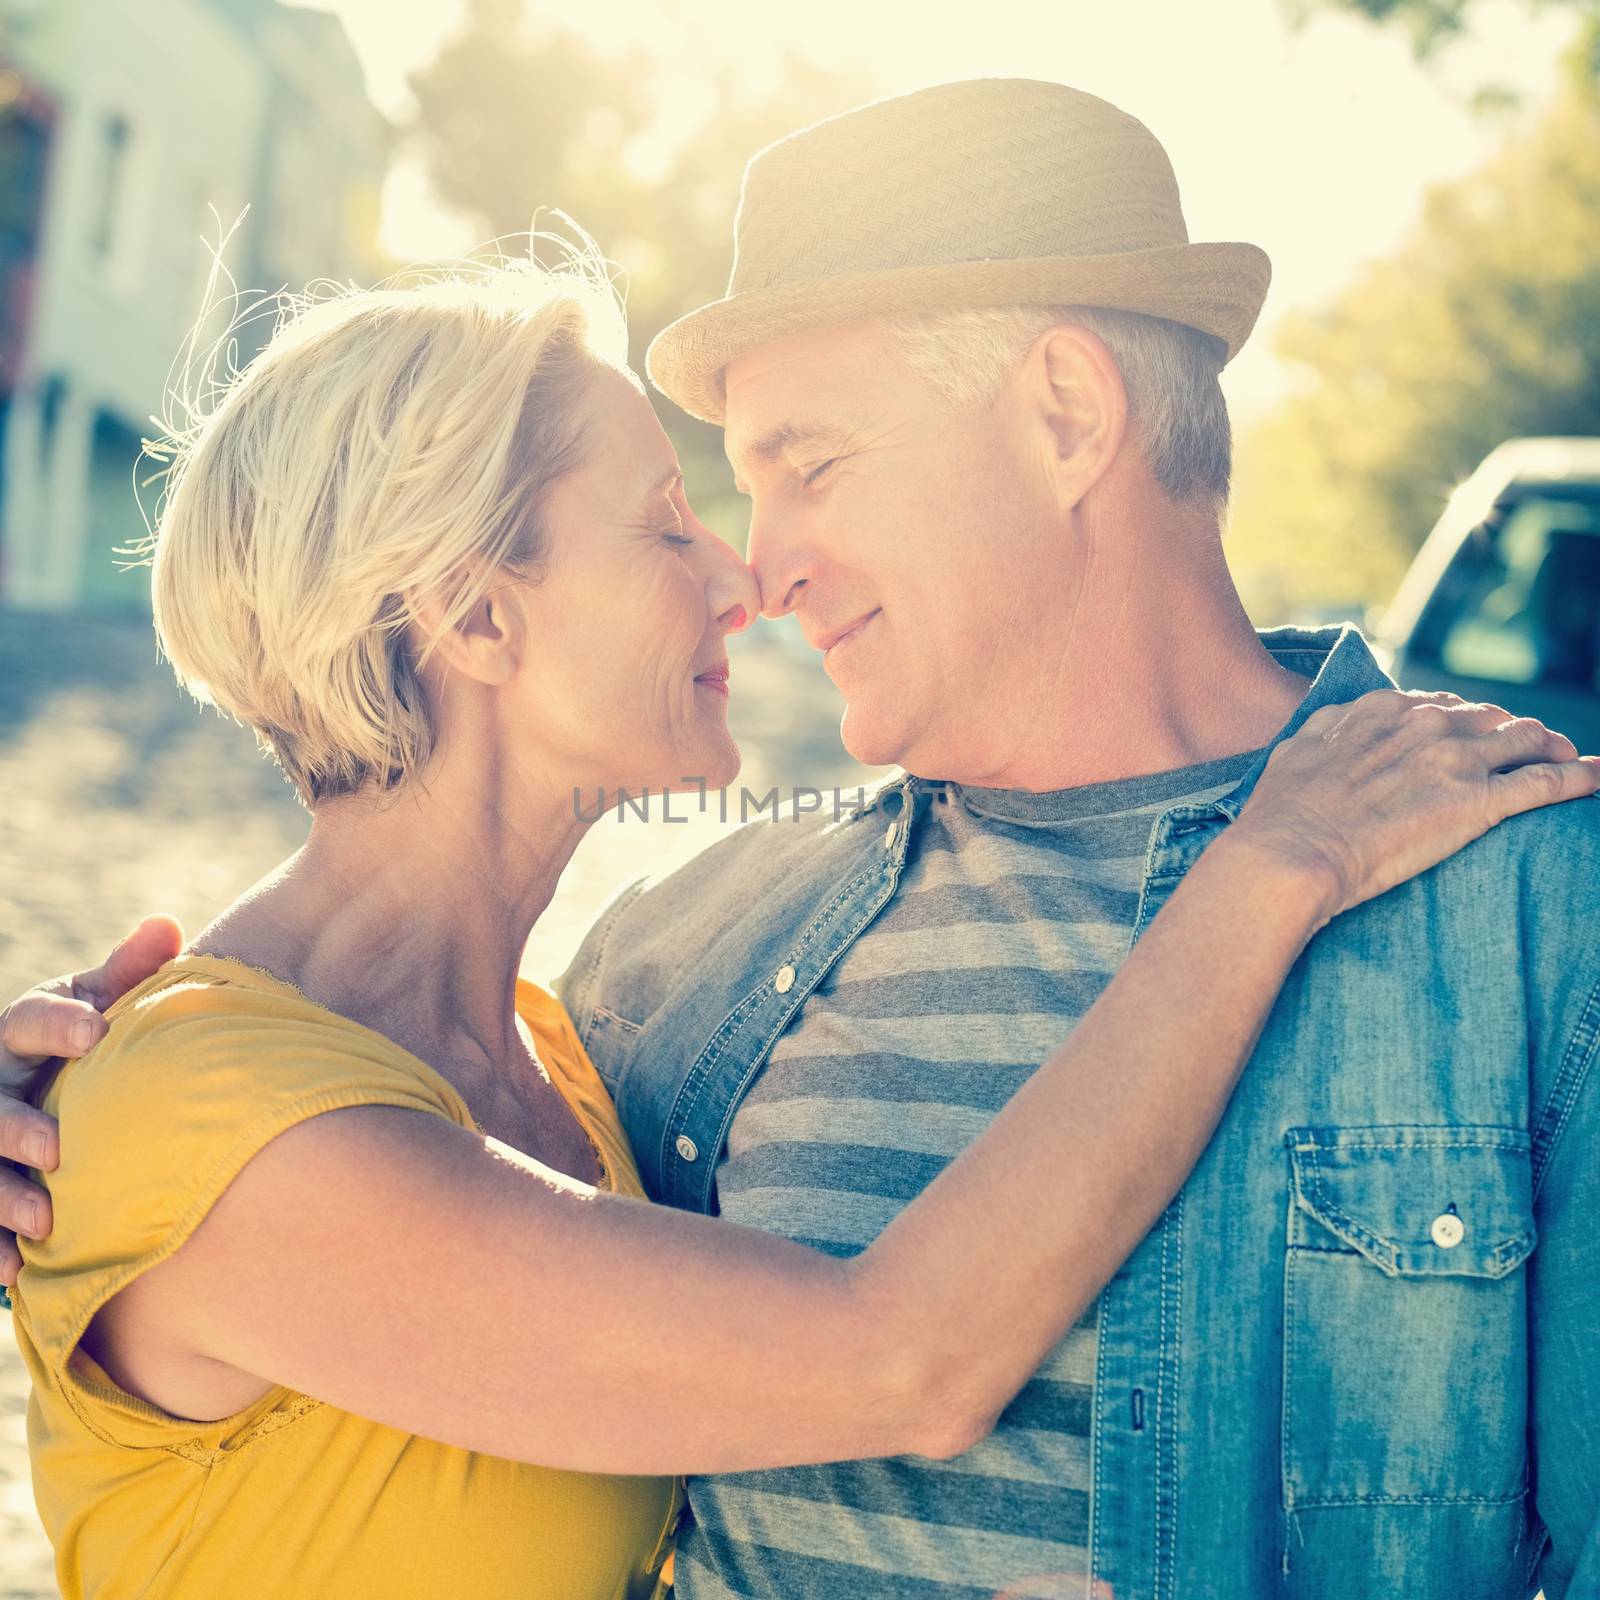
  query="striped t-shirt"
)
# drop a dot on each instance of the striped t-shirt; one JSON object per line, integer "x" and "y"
{"x": 1013, "y": 913}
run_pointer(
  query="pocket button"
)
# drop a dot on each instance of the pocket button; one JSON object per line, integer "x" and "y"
{"x": 1448, "y": 1230}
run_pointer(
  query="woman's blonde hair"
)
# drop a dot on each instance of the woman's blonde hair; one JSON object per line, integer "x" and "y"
{"x": 387, "y": 448}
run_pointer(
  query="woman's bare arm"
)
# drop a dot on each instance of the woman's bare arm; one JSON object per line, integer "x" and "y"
{"x": 402, "y": 1269}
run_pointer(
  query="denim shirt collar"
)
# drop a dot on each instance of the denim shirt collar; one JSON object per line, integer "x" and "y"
{"x": 1342, "y": 668}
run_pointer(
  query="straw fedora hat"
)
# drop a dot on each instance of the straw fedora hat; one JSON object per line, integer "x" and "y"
{"x": 995, "y": 191}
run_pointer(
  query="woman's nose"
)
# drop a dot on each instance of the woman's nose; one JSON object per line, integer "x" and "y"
{"x": 734, "y": 594}
{"x": 736, "y": 597}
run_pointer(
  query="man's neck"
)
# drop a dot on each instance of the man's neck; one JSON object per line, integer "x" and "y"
{"x": 1147, "y": 678}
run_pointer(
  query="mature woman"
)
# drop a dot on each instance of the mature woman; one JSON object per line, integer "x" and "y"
{"x": 351, "y": 1288}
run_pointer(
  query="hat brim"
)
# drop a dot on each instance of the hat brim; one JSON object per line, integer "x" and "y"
{"x": 1217, "y": 288}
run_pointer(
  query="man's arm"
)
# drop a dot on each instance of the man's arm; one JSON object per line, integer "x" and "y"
{"x": 58, "y": 1020}
{"x": 1564, "y": 1323}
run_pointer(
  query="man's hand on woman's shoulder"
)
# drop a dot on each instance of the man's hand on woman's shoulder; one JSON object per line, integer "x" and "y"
{"x": 57, "y": 1021}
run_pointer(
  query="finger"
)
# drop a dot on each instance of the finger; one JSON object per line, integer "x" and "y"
{"x": 1521, "y": 740}
{"x": 148, "y": 948}
{"x": 1451, "y": 715}
{"x": 10, "y": 1259}
{"x": 29, "y": 1136}
{"x": 24, "y": 1206}
{"x": 1486, "y": 714}
{"x": 1545, "y": 783}
{"x": 1405, "y": 698}
{"x": 42, "y": 1024}
{"x": 1413, "y": 712}
{"x": 1392, "y": 702}
{"x": 1325, "y": 721}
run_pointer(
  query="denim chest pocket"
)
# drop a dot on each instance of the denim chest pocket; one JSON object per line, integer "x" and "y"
{"x": 1404, "y": 1315}
{"x": 609, "y": 1039}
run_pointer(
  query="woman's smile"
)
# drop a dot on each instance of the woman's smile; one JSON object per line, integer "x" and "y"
{"x": 714, "y": 678}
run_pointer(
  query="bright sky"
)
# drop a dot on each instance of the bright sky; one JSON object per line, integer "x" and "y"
{"x": 1317, "y": 144}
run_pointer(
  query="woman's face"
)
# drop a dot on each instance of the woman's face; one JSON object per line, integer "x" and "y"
{"x": 626, "y": 674}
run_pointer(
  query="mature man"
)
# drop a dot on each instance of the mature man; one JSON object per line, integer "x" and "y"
{"x": 1357, "y": 1356}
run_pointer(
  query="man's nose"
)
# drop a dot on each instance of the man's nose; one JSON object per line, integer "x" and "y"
{"x": 780, "y": 562}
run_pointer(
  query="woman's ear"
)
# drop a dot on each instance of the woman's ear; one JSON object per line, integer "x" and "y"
{"x": 1081, "y": 406}
{"x": 487, "y": 644}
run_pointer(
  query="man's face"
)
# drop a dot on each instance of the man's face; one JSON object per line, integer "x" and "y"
{"x": 911, "y": 537}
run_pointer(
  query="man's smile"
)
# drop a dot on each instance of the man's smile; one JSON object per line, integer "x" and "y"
{"x": 831, "y": 641}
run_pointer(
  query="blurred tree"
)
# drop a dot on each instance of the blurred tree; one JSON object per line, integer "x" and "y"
{"x": 514, "y": 116}
{"x": 1484, "y": 325}
{"x": 1431, "y": 23}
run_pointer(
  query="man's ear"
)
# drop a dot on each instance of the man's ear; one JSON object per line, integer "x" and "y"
{"x": 488, "y": 643}
{"x": 1081, "y": 405}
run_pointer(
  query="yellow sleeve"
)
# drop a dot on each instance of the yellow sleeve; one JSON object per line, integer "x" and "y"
{"x": 192, "y": 1081}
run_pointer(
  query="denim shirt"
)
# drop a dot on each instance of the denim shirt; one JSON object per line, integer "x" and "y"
{"x": 1359, "y": 1355}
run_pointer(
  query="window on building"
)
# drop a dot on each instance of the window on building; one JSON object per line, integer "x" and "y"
{"x": 25, "y": 131}
{"x": 110, "y": 180}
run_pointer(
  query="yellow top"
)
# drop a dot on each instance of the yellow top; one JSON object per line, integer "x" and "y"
{"x": 205, "y": 1063}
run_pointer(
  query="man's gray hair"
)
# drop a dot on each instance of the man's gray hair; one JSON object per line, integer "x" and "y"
{"x": 1169, "y": 371}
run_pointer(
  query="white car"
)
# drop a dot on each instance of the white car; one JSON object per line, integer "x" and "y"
{"x": 1503, "y": 600}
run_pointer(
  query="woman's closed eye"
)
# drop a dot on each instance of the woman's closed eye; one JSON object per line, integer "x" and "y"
{"x": 817, "y": 471}
{"x": 669, "y": 526}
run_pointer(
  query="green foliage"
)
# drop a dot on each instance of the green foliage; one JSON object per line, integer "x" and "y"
{"x": 513, "y": 118}
{"x": 1483, "y": 326}
{"x": 1431, "y": 23}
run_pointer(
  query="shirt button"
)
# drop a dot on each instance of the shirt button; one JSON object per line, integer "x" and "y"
{"x": 1448, "y": 1230}
{"x": 687, "y": 1148}
{"x": 784, "y": 982}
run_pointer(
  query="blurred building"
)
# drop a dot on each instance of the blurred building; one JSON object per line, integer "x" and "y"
{"x": 123, "y": 125}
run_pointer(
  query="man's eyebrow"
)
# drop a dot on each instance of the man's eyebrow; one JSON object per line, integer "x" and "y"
{"x": 770, "y": 445}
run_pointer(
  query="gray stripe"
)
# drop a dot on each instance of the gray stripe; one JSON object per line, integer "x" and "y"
{"x": 882, "y": 1543}
{"x": 985, "y": 861}
{"x": 891, "y": 1075}
{"x": 1000, "y": 1037}
{"x": 1066, "y": 993}
{"x": 693, "y": 1581}
{"x": 749, "y": 1572}
{"x": 1026, "y": 1455}
{"x": 929, "y": 1130}
{"x": 830, "y": 1214}
{"x": 953, "y": 947}
{"x": 957, "y": 903}
{"x": 1073, "y": 1360}
{"x": 895, "y": 1175}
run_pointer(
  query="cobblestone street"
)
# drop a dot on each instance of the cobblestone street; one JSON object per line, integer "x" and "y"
{"x": 119, "y": 797}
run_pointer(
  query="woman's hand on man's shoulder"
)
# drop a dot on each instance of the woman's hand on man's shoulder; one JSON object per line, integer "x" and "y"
{"x": 1369, "y": 794}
